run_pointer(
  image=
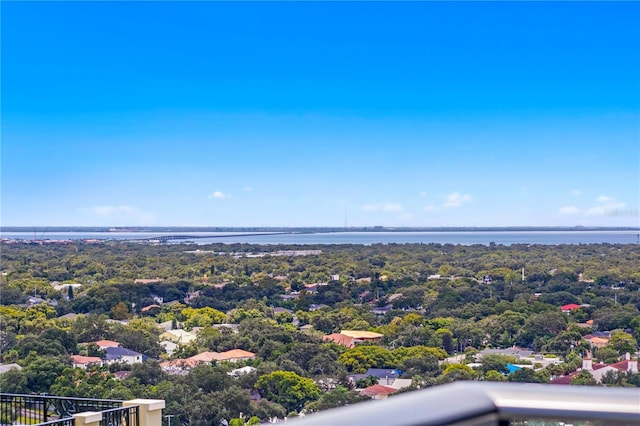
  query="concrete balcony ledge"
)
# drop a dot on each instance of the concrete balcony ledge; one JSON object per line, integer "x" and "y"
{"x": 482, "y": 403}
{"x": 88, "y": 418}
{"x": 150, "y": 404}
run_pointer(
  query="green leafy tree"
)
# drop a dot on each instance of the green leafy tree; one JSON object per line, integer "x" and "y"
{"x": 338, "y": 397}
{"x": 623, "y": 342}
{"x": 583, "y": 378}
{"x": 360, "y": 358}
{"x": 527, "y": 375}
{"x": 288, "y": 389}
{"x": 14, "y": 381}
{"x": 455, "y": 372}
{"x": 496, "y": 363}
{"x": 494, "y": 376}
{"x": 42, "y": 372}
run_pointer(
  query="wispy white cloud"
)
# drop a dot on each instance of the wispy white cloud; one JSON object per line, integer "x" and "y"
{"x": 604, "y": 210}
{"x": 569, "y": 210}
{"x": 392, "y": 207}
{"x": 431, "y": 208}
{"x": 603, "y": 199}
{"x": 423, "y": 194}
{"x": 386, "y": 207}
{"x": 455, "y": 199}
{"x": 371, "y": 207}
{"x": 219, "y": 195}
{"x": 122, "y": 214}
{"x": 248, "y": 189}
{"x": 576, "y": 192}
{"x": 405, "y": 216}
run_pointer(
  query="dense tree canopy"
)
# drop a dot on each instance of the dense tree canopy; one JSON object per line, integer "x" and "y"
{"x": 129, "y": 291}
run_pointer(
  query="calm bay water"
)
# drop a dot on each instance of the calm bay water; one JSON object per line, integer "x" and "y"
{"x": 364, "y": 238}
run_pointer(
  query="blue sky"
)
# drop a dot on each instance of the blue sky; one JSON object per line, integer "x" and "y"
{"x": 295, "y": 114}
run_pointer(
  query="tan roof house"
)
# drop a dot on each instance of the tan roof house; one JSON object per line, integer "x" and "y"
{"x": 235, "y": 355}
{"x": 362, "y": 335}
{"x": 178, "y": 336}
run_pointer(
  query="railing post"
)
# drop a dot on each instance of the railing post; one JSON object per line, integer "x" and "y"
{"x": 89, "y": 418}
{"x": 149, "y": 410}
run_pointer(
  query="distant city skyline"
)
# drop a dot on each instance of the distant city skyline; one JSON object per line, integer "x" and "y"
{"x": 416, "y": 114}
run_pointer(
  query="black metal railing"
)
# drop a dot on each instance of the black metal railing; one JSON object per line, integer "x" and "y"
{"x": 38, "y": 409}
{"x": 124, "y": 416}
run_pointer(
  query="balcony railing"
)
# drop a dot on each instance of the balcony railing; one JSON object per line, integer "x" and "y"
{"x": 34, "y": 409}
{"x": 46, "y": 410}
{"x": 125, "y": 416}
{"x": 484, "y": 404}
{"x": 69, "y": 421}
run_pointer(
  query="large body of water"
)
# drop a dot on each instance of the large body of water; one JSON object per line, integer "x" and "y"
{"x": 364, "y": 238}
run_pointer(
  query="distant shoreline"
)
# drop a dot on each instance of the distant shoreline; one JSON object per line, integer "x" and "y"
{"x": 310, "y": 229}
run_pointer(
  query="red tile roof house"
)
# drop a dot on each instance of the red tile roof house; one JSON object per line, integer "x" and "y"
{"x": 570, "y": 307}
{"x": 104, "y": 344}
{"x": 340, "y": 339}
{"x": 378, "y": 391}
{"x": 598, "y": 371}
{"x": 84, "y": 362}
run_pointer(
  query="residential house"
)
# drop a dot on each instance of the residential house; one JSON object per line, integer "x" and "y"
{"x": 313, "y": 307}
{"x": 121, "y": 375}
{"x": 104, "y": 344}
{"x": 394, "y": 296}
{"x": 169, "y": 347}
{"x": 64, "y": 287}
{"x": 165, "y": 326}
{"x": 570, "y": 307}
{"x": 150, "y": 308}
{"x": 385, "y": 376}
{"x": 242, "y": 371}
{"x": 378, "y": 391}
{"x": 362, "y": 335}
{"x": 382, "y": 310}
{"x": 68, "y": 317}
{"x": 84, "y": 362}
{"x": 178, "y": 336}
{"x": 147, "y": 280}
{"x": 177, "y": 366}
{"x": 598, "y": 371}
{"x": 340, "y": 339}
{"x": 598, "y": 339}
{"x": 191, "y": 296}
{"x": 291, "y": 296}
{"x": 598, "y": 342}
{"x": 235, "y": 355}
{"x": 514, "y": 351}
{"x": 221, "y": 327}
{"x": 6, "y": 367}
{"x": 122, "y": 355}
{"x": 311, "y": 288}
